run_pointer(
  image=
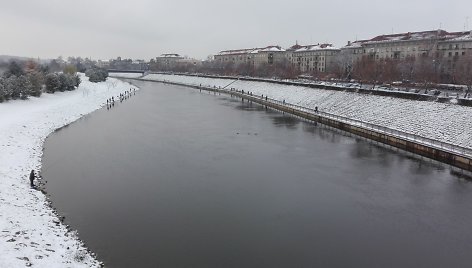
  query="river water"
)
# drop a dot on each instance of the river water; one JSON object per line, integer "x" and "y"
{"x": 174, "y": 177}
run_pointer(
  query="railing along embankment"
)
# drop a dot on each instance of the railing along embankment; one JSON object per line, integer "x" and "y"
{"x": 448, "y": 153}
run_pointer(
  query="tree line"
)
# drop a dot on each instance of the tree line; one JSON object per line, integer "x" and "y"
{"x": 24, "y": 78}
{"x": 421, "y": 71}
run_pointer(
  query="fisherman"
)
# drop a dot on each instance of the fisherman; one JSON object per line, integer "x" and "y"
{"x": 32, "y": 177}
{"x": 316, "y": 109}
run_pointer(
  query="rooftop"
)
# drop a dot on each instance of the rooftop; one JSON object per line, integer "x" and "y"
{"x": 412, "y": 36}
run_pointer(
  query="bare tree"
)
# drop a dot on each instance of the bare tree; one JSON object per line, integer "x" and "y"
{"x": 462, "y": 73}
{"x": 426, "y": 71}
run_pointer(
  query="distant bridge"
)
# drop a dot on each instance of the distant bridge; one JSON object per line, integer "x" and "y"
{"x": 126, "y": 71}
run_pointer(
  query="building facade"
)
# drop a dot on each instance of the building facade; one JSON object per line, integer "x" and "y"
{"x": 237, "y": 56}
{"x": 313, "y": 58}
{"x": 168, "y": 61}
{"x": 437, "y": 45}
{"x": 269, "y": 56}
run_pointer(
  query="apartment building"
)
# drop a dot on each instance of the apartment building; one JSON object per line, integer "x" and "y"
{"x": 168, "y": 61}
{"x": 269, "y": 55}
{"x": 237, "y": 56}
{"x": 437, "y": 43}
{"x": 313, "y": 58}
{"x": 452, "y": 50}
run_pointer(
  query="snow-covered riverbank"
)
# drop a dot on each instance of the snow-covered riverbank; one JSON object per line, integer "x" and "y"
{"x": 444, "y": 122}
{"x": 30, "y": 232}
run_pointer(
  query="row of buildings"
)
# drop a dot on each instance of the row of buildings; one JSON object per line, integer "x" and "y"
{"x": 310, "y": 58}
{"x": 450, "y": 46}
{"x": 437, "y": 45}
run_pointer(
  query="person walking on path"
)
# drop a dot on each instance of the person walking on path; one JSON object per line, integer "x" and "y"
{"x": 32, "y": 177}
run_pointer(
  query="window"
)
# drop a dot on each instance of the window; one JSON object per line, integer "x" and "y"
{"x": 463, "y": 53}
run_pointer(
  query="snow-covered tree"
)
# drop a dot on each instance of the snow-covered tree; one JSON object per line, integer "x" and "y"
{"x": 77, "y": 80}
{"x": 52, "y": 83}
{"x": 2, "y": 89}
{"x": 14, "y": 69}
{"x": 13, "y": 89}
{"x": 24, "y": 86}
{"x": 36, "y": 79}
{"x": 96, "y": 75}
{"x": 63, "y": 82}
{"x": 8, "y": 85}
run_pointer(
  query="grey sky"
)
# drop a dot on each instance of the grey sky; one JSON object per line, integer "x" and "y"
{"x": 143, "y": 29}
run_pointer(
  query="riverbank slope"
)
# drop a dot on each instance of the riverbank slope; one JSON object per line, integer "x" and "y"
{"x": 444, "y": 122}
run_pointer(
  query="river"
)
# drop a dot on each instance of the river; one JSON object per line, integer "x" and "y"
{"x": 174, "y": 177}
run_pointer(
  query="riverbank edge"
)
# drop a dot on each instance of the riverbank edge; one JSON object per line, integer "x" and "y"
{"x": 42, "y": 187}
{"x": 64, "y": 247}
{"x": 437, "y": 154}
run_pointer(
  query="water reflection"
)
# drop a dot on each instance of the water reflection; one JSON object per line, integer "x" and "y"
{"x": 249, "y": 106}
{"x": 285, "y": 121}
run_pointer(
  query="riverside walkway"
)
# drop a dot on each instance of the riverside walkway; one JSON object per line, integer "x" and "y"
{"x": 451, "y": 154}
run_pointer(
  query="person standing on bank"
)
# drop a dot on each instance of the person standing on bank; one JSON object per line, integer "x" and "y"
{"x": 32, "y": 176}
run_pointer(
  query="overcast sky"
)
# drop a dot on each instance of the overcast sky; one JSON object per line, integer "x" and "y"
{"x": 143, "y": 29}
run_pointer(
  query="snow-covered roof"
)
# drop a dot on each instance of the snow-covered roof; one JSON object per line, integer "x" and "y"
{"x": 173, "y": 55}
{"x": 272, "y": 49}
{"x": 316, "y": 47}
{"x": 413, "y": 36}
{"x": 466, "y": 36}
{"x": 238, "y": 51}
{"x": 250, "y": 50}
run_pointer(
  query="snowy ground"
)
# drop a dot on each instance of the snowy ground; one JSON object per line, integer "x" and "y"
{"x": 444, "y": 122}
{"x": 126, "y": 75}
{"x": 30, "y": 233}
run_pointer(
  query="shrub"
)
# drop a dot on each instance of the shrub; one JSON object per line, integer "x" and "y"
{"x": 96, "y": 75}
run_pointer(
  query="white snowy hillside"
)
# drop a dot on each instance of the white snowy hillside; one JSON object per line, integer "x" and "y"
{"x": 441, "y": 121}
{"x": 30, "y": 233}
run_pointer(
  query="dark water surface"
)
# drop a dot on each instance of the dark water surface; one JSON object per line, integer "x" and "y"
{"x": 177, "y": 178}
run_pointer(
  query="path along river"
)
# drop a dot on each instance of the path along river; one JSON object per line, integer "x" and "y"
{"x": 174, "y": 177}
